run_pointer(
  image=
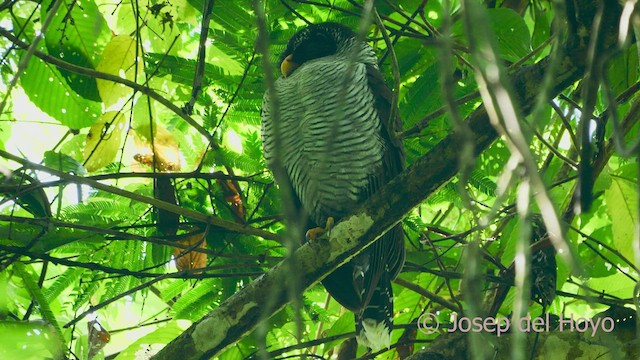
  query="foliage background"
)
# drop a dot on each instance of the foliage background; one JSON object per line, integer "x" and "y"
{"x": 72, "y": 250}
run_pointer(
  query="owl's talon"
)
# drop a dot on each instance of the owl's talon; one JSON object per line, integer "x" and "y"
{"x": 315, "y": 233}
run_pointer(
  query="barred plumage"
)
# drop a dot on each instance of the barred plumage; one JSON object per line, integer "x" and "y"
{"x": 337, "y": 146}
{"x": 329, "y": 161}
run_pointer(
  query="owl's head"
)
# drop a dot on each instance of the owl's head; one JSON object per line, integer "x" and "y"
{"x": 314, "y": 42}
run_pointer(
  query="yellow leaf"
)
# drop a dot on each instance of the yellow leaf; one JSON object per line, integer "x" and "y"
{"x": 118, "y": 58}
{"x": 104, "y": 140}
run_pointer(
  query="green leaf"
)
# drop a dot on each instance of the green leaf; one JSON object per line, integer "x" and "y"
{"x": 591, "y": 261}
{"x": 492, "y": 160}
{"x": 383, "y": 8}
{"x": 29, "y": 341}
{"x": 63, "y": 162}
{"x": 542, "y": 26}
{"x": 75, "y": 36}
{"x": 618, "y": 285}
{"x": 623, "y": 70}
{"x": 409, "y": 53}
{"x": 512, "y": 34}
{"x": 181, "y": 69}
{"x": 16, "y": 187}
{"x": 482, "y": 183}
{"x": 31, "y": 284}
{"x": 63, "y": 281}
{"x": 22, "y": 234}
{"x": 344, "y": 324}
{"x": 195, "y": 303}
{"x": 622, "y": 207}
{"x": 49, "y": 91}
{"x": 422, "y": 97}
{"x": 119, "y": 58}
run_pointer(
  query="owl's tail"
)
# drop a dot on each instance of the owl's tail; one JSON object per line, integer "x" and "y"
{"x": 374, "y": 323}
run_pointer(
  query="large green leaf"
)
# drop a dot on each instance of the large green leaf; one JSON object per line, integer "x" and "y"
{"x": 510, "y": 30}
{"x": 623, "y": 70}
{"x": 76, "y": 35}
{"x": 542, "y": 26}
{"x": 29, "y": 340}
{"x": 119, "y": 58}
{"x": 511, "y": 33}
{"x": 49, "y": 90}
{"x": 622, "y": 206}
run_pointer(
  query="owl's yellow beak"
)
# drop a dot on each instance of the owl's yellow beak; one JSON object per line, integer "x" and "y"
{"x": 288, "y": 66}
